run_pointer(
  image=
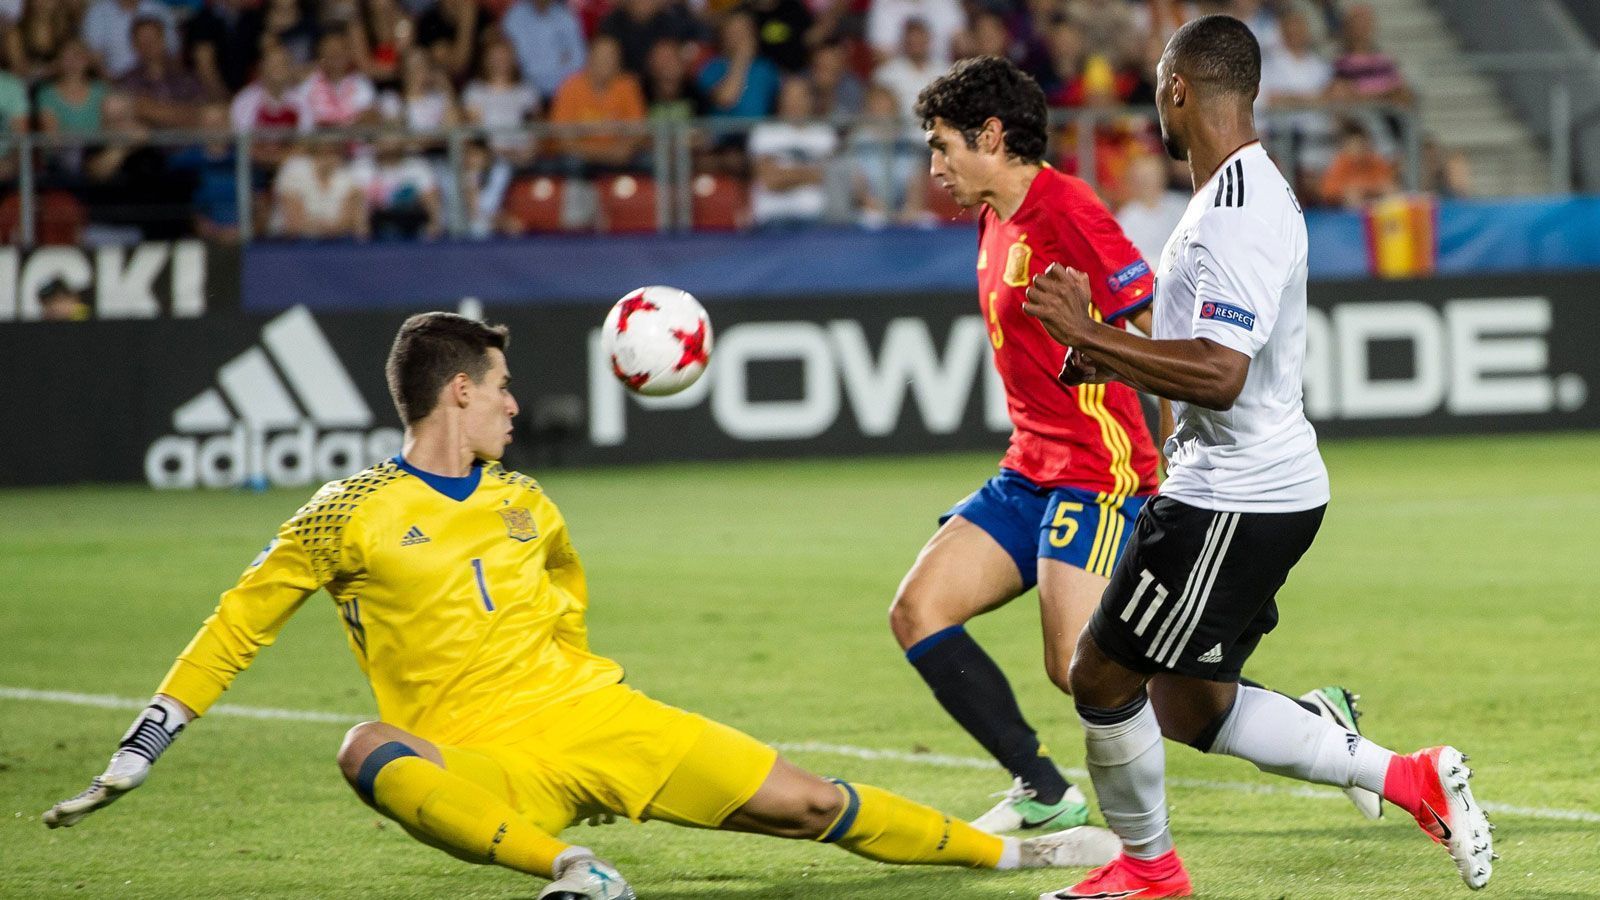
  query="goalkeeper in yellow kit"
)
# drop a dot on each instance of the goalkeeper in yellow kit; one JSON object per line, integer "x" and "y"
{"x": 464, "y": 602}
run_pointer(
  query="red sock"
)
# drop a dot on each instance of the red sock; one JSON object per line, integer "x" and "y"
{"x": 1400, "y": 784}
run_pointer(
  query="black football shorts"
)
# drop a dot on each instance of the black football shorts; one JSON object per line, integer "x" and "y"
{"x": 1196, "y": 588}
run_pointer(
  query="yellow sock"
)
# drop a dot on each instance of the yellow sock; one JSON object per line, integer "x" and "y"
{"x": 889, "y": 828}
{"x": 457, "y": 815}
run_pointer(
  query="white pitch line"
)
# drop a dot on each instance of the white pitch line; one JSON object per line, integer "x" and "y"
{"x": 936, "y": 760}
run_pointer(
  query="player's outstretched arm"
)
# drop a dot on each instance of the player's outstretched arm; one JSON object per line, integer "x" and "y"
{"x": 146, "y": 739}
{"x": 247, "y": 618}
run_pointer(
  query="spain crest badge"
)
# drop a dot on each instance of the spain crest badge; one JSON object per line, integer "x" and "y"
{"x": 519, "y": 523}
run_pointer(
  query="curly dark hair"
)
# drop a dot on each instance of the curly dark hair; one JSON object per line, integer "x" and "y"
{"x": 984, "y": 87}
{"x": 1218, "y": 52}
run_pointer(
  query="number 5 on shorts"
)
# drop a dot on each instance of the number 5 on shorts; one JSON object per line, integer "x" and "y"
{"x": 1063, "y": 528}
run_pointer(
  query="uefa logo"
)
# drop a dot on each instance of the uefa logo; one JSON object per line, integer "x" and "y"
{"x": 1207, "y": 310}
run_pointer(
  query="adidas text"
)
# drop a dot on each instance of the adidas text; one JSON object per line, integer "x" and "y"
{"x": 285, "y": 412}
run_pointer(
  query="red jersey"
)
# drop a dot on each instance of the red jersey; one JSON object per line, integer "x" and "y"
{"x": 1091, "y": 437}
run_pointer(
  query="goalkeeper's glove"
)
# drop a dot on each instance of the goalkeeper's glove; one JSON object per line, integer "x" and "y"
{"x": 150, "y": 735}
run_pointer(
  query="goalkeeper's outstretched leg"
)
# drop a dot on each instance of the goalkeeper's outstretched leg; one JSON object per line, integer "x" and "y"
{"x": 409, "y": 780}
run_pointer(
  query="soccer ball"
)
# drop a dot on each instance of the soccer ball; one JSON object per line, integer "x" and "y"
{"x": 658, "y": 339}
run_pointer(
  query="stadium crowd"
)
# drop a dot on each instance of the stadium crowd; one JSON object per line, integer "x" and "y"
{"x": 809, "y": 103}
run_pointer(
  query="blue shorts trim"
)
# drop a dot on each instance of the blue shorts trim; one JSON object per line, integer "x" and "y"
{"x": 1084, "y": 529}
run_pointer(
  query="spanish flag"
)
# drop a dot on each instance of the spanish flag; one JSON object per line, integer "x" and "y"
{"x": 1402, "y": 236}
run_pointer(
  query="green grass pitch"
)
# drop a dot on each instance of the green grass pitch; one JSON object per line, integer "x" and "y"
{"x": 1453, "y": 586}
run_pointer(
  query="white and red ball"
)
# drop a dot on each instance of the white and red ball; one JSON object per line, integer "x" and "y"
{"x": 658, "y": 340}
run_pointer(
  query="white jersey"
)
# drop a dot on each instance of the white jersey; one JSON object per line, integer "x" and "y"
{"x": 1234, "y": 272}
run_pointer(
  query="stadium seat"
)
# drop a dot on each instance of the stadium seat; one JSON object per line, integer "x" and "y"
{"x": 59, "y": 218}
{"x": 627, "y": 203}
{"x": 944, "y": 207}
{"x": 536, "y": 203}
{"x": 721, "y": 203}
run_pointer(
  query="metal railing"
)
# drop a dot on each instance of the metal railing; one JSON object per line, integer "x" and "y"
{"x": 670, "y": 157}
{"x": 1559, "y": 75}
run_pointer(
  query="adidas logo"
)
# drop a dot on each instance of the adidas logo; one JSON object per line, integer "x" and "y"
{"x": 413, "y": 536}
{"x": 285, "y": 412}
{"x": 1214, "y": 655}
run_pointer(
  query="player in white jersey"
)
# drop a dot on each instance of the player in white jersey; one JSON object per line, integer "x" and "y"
{"x": 1244, "y": 496}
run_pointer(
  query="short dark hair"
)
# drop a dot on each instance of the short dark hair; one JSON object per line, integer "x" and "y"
{"x": 433, "y": 348}
{"x": 1218, "y": 52}
{"x": 984, "y": 87}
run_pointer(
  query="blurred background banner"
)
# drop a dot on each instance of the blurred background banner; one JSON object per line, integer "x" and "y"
{"x": 298, "y": 397}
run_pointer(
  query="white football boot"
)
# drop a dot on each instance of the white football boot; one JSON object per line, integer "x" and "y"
{"x": 1338, "y": 706}
{"x": 580, "y": 875}
{"x": 1019, "y": 811}
{"x": 1081, "y": 847}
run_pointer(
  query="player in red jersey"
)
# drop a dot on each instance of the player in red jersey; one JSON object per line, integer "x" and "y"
{"x": 1081, "y": 463}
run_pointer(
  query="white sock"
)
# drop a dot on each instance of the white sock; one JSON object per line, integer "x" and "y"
{"x": 1280, "y": 736}
{"x": 1127, "y": 763}
{"x": 1010, "y": 853}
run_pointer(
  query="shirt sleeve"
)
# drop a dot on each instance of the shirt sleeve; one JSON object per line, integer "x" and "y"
{"x": 1120, "y": 280}
{"x": 1240, "y": 273}
{"x": 310, "y": 550}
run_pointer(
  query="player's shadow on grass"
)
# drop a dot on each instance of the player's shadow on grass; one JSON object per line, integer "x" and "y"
{"x": 933, "y": 884}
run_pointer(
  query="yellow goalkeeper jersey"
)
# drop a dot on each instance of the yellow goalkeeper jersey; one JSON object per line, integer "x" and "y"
{"x": 462, "y": 598}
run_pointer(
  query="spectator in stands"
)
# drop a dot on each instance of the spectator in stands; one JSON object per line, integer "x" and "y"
{"x": 908, "y": 73}
{"x": 128, "y": 184}
{"x": 740, "y": 82}
{"x": 787, "y": 32}
{"x": 1264, "y": 21}
{"x": 790, "y": 156}
{"x": 888, "y": 164}
{"x": 336, "y": 92}
{"x": 215, "y": 199}
{"x": 638, "y": 25}
{"x": 1298, "y": 76}
{"x": 424, "y": 101}
{"x": 1445, "y": 173}
{"x": 1064, "y": 42}
{"x": 225, "y": 42}
{"x": 380, "y": 36}
{"x": 108, "y": 32}
{"x": 401, "y": 191}
{"x": 1364, "y": 73}
{"x": 500, "y": 99}
{"x": 1358, "y": 174}
{"x": 453, "y": 31}
{"x": 484, "y": 180}
{"x": 1108, "y": 26}
{"x": 72, "y": 103}
{"x": 1152, "y": 209}
{"x": 14, "y": 111}
{"x": 839, "y": 92}
{"x": 60, "y": 302}
{"x": 316, "y": 196}
{"x": 600, "y": 93}
{"x": 548, "y": 42}
{"x": 943, "y": 20}
{"x": 45, "y": 27}
{"x": 669, "y": 91}
{"x": 164, "y": 94}
{"x": 275, "y": 99}
{"x": 289, "y": 25}
{"x": 988, "y": 35}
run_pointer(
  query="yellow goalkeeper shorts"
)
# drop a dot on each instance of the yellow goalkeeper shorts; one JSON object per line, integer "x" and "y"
{"x": 617, "y": 751}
